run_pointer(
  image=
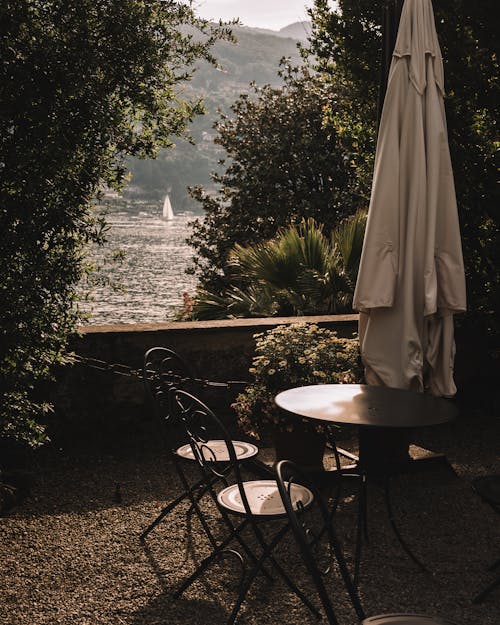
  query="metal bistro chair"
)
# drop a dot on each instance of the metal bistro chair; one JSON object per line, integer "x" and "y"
{"x": 488, "y": 488}
{"x": 288, "y": 475}
{"x": 164, "y": 370}
{"x": 242, "y": 505}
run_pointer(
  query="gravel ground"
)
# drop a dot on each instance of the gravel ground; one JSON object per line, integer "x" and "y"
{"x": 70, "y": 553}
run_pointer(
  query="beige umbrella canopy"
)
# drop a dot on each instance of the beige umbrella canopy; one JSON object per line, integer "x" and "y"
{"x": 411, "y": 276}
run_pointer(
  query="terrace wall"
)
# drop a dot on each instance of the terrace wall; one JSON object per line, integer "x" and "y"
{"x": 103, "y": 403}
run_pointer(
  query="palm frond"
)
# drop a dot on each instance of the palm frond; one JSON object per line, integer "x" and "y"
{"x": 251, "y": 301}
{"x": 298, "y": 272}
{"x": 275, "y": 262}
{"x": 316, "y": 248}
{"x": 347, "y": 241}
{"x": 209, "y": 306}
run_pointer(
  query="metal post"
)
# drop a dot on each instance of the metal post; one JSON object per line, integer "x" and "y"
{"x": 391, "y": 13}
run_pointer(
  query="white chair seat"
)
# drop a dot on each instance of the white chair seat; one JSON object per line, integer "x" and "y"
{"x": 263, "y": 498}
{"x": 216, "y": 451}
{"x": 404, "y": 619}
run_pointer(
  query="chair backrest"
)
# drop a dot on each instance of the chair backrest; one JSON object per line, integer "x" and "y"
{"x": 287, "y": 474}
{"x": 163, "y": 370}
{"x": 201, "y": 425}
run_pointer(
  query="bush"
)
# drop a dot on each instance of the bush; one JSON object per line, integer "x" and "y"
{"x": 298, "y": 354}
{"x": 82, "y": 85}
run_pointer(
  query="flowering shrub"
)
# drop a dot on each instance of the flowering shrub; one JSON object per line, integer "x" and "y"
{"x": 299, "y": 354}
{"x": 186, "y": 311}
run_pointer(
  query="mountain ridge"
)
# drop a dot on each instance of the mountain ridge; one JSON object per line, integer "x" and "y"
{"x": 296, "y": 30}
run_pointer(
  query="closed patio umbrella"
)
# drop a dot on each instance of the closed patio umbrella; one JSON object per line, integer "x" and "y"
{"x": 411, "y": 275}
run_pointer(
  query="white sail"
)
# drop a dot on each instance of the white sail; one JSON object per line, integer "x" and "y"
{"x": 168, "y": 213}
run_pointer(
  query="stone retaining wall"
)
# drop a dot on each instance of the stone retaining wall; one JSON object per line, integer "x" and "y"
{"x": 102, "y": 403}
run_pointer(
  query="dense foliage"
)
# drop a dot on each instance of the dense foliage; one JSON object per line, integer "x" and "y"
{"x": 300, "y": 271}
{"x": 307, "y": 150}
{"x": 284, "y": 165}
{"x": 82, "y": 84}
{"x": 294, "y": 355}
{"x": 346, "y": 44}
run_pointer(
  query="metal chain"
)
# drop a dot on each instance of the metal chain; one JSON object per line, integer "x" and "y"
{"x": 125, "y": 370}
{"x": 102, "y": 365}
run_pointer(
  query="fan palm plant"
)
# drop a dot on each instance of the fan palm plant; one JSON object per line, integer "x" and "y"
{"x": 301, "y": 271}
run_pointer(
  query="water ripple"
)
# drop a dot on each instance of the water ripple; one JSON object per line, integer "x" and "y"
{"x": 152, "y": 272}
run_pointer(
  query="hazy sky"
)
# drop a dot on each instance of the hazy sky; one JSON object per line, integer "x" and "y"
{"x": 273, "y": 14}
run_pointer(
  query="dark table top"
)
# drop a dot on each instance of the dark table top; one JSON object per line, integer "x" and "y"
{"x": 365, "y": 405}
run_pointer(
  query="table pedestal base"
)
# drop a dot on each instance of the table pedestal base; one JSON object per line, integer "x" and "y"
{"x": 381, "y": 449}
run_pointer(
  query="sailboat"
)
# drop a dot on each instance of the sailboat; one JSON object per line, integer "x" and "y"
{"x": 168, "y": 213}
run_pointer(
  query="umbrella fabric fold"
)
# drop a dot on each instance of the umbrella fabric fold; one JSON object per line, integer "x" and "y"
{"x": 411, "y": 277}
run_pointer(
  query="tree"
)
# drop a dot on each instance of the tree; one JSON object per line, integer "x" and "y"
{"x": 284, "y": 165}
{"x": 300, "y": 271}
{"x": 83, "y": 84}
{"x": 346, "y": 45}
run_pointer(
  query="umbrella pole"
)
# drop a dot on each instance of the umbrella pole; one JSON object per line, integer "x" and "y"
{"x": 391, "y": 14}
{"x": 387, "y": 447}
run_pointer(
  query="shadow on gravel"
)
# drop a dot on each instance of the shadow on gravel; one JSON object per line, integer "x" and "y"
{"x": 164, "y": 610}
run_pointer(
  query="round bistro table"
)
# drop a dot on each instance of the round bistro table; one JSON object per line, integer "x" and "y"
{"x": 367, "y": 406}
{"x": 376, "y": 410}
{"x": 382, "y": 414}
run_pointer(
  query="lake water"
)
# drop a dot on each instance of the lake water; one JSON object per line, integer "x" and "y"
{"x": 152, "y": 271}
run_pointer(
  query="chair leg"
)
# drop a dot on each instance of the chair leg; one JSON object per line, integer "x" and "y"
{"x": 248, "y": 551}
{"x": 244, "y": 588}
{"x": 332, "y": 510}
{"x": 188, "y": 491}
{"x": 344, "y": 571}
{"x": 207, "y": 562}
{"x": 220, "y": 550}
{"x": 195, "y": 502}
{"x": 395, "y": 528}
{"x": 199, "y": 494}
{"x": 267, "y": 554}
{"x": 361, "y": 526}
{"x": 337, "y": 553}
{"x": 294, "y": 588}
{"x": 168, "y": 508}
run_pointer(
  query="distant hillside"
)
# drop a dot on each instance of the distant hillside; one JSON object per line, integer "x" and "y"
{"x": 298, "y": 30}
{"x": 255, "y": 57}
